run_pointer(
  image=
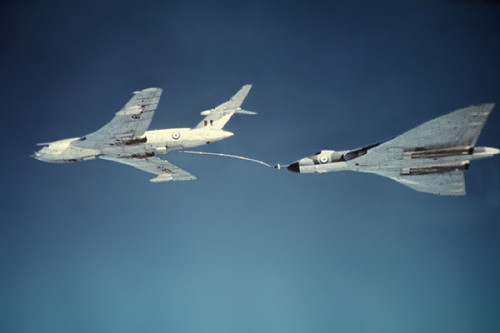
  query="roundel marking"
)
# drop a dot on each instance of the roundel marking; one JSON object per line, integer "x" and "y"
{"x": 323, "y": 159}
{"x": 176, "y": 135}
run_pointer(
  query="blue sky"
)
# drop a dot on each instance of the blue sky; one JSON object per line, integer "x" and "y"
{"x": 96, "y": 247}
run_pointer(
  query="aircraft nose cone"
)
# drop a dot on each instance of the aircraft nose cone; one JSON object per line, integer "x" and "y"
{"x": 294, "y": 167}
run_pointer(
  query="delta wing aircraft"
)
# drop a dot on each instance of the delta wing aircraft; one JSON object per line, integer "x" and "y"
{"x": 125, "y": 138}
{"x": 430, "y": 158}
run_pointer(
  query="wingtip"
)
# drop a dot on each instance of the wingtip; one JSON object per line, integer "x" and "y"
{"x": 488, "y": 107}
{"x": 484, "y": 105}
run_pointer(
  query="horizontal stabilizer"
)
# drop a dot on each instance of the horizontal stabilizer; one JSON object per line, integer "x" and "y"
{"x": 241, "y": 111}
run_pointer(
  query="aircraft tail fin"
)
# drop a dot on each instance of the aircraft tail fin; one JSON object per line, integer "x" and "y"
{"x": 220, "y": 115}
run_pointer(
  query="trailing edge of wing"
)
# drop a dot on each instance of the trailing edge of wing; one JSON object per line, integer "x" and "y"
{"x": 164, "y": 170}
{"x": 446, "y": 183}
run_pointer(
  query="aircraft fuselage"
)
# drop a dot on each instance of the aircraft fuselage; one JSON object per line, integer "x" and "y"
{"x": 153, "y": 142}
{"x": 406, "y": 161}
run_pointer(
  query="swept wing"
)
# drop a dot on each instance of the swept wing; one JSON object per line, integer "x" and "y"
{"x": 447, "y": 180}
{"x": 164, "y": 170}
{"x": 130, "y": 123}
{"x": 453, "y": 133}
{"x": 460, "y": 128}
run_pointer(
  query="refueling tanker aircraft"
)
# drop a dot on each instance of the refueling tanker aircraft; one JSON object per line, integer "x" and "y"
{"x": 125, "y": 138}
{"x": 430, "y": 158}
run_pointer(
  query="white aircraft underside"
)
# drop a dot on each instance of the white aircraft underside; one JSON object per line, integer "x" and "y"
{"x": 430, "y": 158}
{"x": 125, "y": 138}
